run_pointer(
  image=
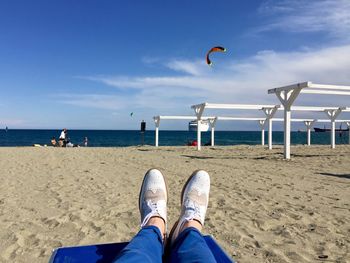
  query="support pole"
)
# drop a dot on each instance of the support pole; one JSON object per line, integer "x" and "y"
{"x": 270, "y": 134}
{"x": 212, "y": 136}
{"x": 332, "y": 115}
{"x": 156, "y": 121}
{"x": 308, "y": 125}
{"x": 212, "y": 125}
{"x": 263, "y": 136}
{"x": 287, "y": 133}
{"x": 270, "y": 112}
{"x": 262, "y": 126}
{"x": 287, "y": 97}
{"x": 199, "y": 112}
{"x": 348, "y": 124}
{"x": 157, "y": 136}
{"x": 198, "y": 134}
{"x": 333, "y": 135}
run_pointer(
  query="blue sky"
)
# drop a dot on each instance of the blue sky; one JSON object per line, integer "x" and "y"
{"x": 89, "y": 64}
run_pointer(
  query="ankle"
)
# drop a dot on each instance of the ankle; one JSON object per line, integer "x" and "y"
{"x": 192, "y": 223}
{"x": 157, "y": 222}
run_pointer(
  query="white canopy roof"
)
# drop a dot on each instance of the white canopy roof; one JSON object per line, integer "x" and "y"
{"x": 313, "y": 88}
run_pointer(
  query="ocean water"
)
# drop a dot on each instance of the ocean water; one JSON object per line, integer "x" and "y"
{"x": 123, "y": 138}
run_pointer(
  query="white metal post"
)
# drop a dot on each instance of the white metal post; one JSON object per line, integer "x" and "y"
{"x": 270, "y": 134}
{"x": 287, "y": 97}
{"x": 263, "y": 136}
{"x": 212, "y": 125}
{"x": 212, "y": 136}
{"x": 199, "y": 112}
{"x": 332, "y": 115}
{"x": 308, "y": 125}
{"x": 198, "y": 135}
{"x": 157, "y": 136}
{"x": 157, "y": 121}
{"x": 333, "y": 134}
{"x": 262, "y": 126}
{"x": 270, "y": 112}
{"x": 287, "y": 133}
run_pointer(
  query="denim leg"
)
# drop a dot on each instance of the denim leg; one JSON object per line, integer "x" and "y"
{"x": 190, "y": 246}
{"x": 146, "y": 246}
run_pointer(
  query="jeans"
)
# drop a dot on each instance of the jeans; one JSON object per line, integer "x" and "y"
{"x": 147, "y": 246}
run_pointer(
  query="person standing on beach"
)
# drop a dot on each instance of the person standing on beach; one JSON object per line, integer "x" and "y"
{"x": 63, "y": 138}
{"x": 86, "y": 141}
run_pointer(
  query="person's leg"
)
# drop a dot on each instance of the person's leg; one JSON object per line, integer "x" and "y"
{"x": 190, "y": 246}
{"x": 187, "y": 242}
{"x": 147, "y": 245}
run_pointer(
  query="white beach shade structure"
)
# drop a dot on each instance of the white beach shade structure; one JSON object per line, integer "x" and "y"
{"x": 262, "y": 122}
{"x": 199, "y": 110}
{"x": 212, "y": 121}
{"x": 309, "y": 123}
{"x": 331, "y": 112}
{"x": 159, "y": 117}
{"x": 288, "y": 94}
{"x": 347, "y": 122}
{"x": 157, "y": 123}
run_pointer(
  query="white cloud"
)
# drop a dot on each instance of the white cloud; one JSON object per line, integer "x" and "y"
{"x": 192, "y": 68}
{"x": 99, "y": 101}
{"x": 245, "y": 81}
{"x": 330, "y": 16}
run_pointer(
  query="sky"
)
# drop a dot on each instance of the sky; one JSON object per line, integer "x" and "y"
{"x": 88, "y": 64}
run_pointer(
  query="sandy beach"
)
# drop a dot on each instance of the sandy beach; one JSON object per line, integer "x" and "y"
{"x": 262, "y": 208}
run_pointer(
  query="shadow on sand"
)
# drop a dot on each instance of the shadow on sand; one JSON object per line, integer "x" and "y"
{"x": 346, "y": 176}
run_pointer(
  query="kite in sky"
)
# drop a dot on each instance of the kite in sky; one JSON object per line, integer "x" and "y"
{"x": 214, "y": 49}
{"x": 131, "y": 114}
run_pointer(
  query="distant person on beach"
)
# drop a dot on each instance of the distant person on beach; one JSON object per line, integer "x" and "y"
{"x": 86, "y": 141}
{"x": 185, "y": 242}
{"x": 53, "y": 141}
{"x": 62, "y": 141}
{"x": 70, "y": 144}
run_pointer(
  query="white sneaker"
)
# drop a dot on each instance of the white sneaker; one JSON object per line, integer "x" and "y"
{"x": 153, "y": 197}
{"x": 194, "y": 201}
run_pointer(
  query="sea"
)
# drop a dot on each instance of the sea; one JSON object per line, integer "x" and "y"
{"x": 124, "y": 138}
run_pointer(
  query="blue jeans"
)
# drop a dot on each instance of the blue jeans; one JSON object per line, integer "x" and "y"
{"x": 147, "y": 246}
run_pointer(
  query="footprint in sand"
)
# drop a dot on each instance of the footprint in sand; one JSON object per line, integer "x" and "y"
{"x": 51, "y": 223}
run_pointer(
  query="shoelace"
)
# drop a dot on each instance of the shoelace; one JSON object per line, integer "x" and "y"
{"x": 153, "y": 206}
{"x": 154, "y": 211}
{"x": 192, "y": 211}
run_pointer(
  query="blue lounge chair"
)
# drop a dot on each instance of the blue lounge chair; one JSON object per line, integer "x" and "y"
{"x": 105, "y": 253}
